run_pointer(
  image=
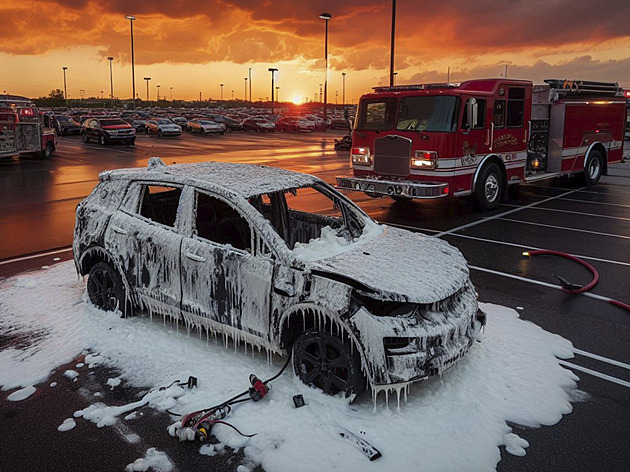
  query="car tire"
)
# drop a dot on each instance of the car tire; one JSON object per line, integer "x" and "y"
{"x": 489, "y": 188}
{"x": 594, "y": 168}
{"x": 84, "y": 138}
{"x": 148, "y": 132}
{"x": 102, "y": 140}
{"x": 326, "y": 362}
{"x": 159, "y": 133}
{"x": 105, "y": 288}
{"x": 48, "y": 150}
{"x": 132, "y": 142}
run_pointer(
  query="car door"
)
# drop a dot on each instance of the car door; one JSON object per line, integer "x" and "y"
{"x": 143, "y": 235}
{"x": 223, "y": 282}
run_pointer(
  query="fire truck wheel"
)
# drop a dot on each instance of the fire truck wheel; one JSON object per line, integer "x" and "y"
{"x": 47, "y": 152}
{"x": 489, "y": 187}
{"x": 594, "y": 168}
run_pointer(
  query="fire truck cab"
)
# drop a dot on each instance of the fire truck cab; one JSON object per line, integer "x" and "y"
{"x": 478, "y": 137}
{"x": 22, "y": 130}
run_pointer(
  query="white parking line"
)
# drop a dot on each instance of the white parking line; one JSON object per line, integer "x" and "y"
{"x": 501, "y": 215}
{"x": 595, "y": 203}
{"x": 35, "y": 256}
{"x": 594, "y": 373}
{"x": 575, "y": 213}
{"x": 602, "y": 358}
{"x": 566, "y": 229}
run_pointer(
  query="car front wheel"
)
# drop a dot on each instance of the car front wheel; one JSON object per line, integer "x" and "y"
{"x": 326, "y": 362}
{"x": 105, "y": 288}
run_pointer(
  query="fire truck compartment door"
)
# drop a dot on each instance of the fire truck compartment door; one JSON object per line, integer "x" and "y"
{"x": 7, "y": 134}
{"x": 28, "y": 138}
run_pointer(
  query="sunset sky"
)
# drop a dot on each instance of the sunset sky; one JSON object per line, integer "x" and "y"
{"x": 193, "y": 46}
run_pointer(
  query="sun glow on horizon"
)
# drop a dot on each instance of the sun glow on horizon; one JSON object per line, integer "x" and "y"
{"x": 297, "y": 99}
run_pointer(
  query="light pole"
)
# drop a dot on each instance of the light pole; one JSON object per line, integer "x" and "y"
{"x": 158, "y": 97}
{"x": 391, "y": 54}
{"x": 245, "y": 88}
{"x": 199, "y": 98}
{"x": 336, "y": 97}
{"x": 277, "y": 94}
{"x": 221, "y": 92}
{"x": 111, "y": 79}
{"x": 326, "y": 17}
{"x": 147, "y": 79}
{"x": 343, "y": 93}
{"x": 250, "y": 85}
{"x": 133, "y": 72}
{"x": 320, "y": 92}
{"x": 232, "y": 94}
{"x": 171, "y": 94}
{"x": 393, "y": 81}
{"x": 102, "y": 95}
{"x": 65, "y": 93}
{"x": 272, "y": 70}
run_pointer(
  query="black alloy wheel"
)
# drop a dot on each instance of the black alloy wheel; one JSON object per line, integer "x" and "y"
{"x": 324, "y": 361}
{"x": 105, "y": 288}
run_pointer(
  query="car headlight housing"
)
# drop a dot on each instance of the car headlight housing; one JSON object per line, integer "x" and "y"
{"x": 361, "y": 156}
{"x": 424, "y": 160}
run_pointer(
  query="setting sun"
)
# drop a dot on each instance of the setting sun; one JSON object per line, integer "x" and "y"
{"x": 297, "y": 99}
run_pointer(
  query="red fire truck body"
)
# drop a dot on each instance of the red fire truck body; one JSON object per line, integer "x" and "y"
{"x": 22, "y": 130}
{"x": 478, "y": 137}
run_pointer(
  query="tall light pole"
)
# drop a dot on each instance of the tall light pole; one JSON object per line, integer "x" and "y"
{"x": 65, "y": 92}
{"x": 245, "y": 88}
{"x": 250, "y": 85}
{"x": 232, "y": 94}
{"x": 221, "y": 92}
{"x": 343, "y": 93}
{"x": 158, "y": 97}
{"x": 391, "y": 54}
{"x": 111, "y": 79}
{"x": 326, "y": 17}
{"x": 171, "y": 94}
{"x": 393, "y": 82}
{"x": 147, "y": 79}
{"x": 277, "y": 94}
{"x": 320, "y": 92}
{"x": 272, "y": 70}
{"x": 133, "y": 72}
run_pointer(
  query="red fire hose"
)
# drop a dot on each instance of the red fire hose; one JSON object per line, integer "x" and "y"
{"x": 586, "y": 287}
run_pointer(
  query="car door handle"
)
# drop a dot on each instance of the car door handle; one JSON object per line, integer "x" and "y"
{"x": 195, "y": 257}
{"x": 119, "y": 230}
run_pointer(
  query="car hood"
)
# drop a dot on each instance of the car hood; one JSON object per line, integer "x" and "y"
{"x": 399, "y": 265}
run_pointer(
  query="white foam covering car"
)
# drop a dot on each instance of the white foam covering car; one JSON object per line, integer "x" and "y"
{"x": 281, "y": 261}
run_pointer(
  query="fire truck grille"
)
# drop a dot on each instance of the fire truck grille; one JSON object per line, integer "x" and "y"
{"x": 391, "y": 155}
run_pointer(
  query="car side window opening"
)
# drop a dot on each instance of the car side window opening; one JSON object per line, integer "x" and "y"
{"x": 515, "y": 107}
{"x": 218, "y": 222}
{"x": 299, "y": 215}
{"x": 159, "y": 203}
{"x": 480, "y": 123}
{"x": 499, "y": 114}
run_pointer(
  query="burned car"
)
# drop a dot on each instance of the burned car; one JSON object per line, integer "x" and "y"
{"x": 281, "y": 261}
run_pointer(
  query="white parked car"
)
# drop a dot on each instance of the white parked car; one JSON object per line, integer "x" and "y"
{"x": 204, "y": 126}
{"x": 163, "y": 127}
{"x": 235, "y": 249}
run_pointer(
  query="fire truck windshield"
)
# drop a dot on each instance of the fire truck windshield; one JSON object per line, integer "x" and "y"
{"x": 428, "y": 113}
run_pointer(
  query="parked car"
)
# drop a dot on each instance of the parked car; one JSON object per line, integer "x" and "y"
{"x": 180, "y": 120}
{"x": 258, "y": 125}
{"x": 240, "y": 254}
{"x": 294, "y": 123}
{"x": 65, "y": 125}
{"x": 107, "y": 130}
{"x": 139, "y": 125}
{"x": 230, "y": 123}
{"x": 163, "y": 127}
{"x": 203, "y": 126}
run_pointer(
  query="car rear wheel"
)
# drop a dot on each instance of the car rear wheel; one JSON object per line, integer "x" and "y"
{"x": 105, "y": 288}
{"x": 159, "y": 133}
{"x": 324, "y": 361}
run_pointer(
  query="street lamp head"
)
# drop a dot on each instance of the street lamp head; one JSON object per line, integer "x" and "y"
{"x": 130, "y": 17}
{"x": 64, "y": 68}
{"x": 147, "y": 78}
{"x": 325, "y": 16}
{"x": 272, "y": 69}
{"x": 110, "y": 58}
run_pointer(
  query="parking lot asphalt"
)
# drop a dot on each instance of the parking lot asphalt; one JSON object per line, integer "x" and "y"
{"x": 37, "y": 215}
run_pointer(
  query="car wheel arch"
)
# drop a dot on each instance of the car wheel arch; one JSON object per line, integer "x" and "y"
{"x": 95, "y": 254}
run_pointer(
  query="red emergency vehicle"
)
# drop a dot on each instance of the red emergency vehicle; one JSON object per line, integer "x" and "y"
{"x": 22, "y": 129}
{"x": 478, "y": 137}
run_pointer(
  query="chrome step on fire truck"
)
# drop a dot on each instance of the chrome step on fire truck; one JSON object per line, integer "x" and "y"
{"x": 478, "y": 137}
{"x": 22, "y": 129}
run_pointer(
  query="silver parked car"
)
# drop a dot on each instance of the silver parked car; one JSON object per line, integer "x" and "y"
{"x": 235, "y": 249}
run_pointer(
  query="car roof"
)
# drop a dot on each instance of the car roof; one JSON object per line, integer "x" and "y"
{"x": 246, "y": 180}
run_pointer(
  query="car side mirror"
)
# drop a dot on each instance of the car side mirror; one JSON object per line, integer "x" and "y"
{"x": 472, "y": 110}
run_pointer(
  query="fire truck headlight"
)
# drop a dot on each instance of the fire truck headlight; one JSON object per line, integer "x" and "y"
{"x": 361, "y": 156}
{"x": 424, "y": 160}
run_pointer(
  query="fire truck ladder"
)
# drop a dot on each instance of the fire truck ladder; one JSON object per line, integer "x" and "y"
{"x": 585, "y": 87}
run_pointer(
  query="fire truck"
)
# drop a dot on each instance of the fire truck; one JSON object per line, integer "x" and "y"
{"x": 480, "y": 136}
{"x": 23, "y": 130}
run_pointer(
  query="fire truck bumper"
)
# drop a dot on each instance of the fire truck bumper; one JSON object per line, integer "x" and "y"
{"x": 402, "y": 188}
